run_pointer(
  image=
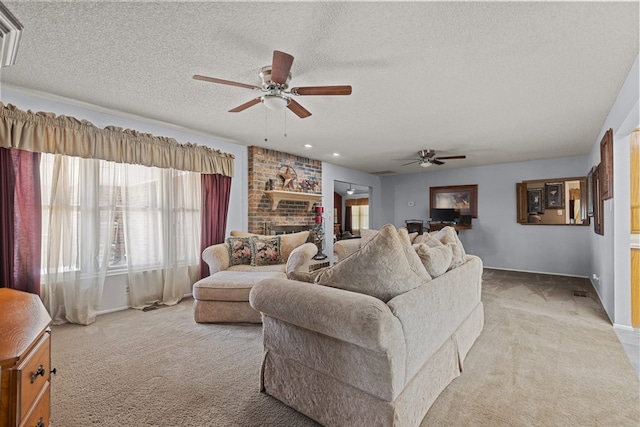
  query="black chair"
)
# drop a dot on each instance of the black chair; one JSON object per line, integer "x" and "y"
{"x": 415, "y": 225}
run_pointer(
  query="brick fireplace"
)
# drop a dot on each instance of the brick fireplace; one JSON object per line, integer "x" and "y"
{"x": 265, "y": 164}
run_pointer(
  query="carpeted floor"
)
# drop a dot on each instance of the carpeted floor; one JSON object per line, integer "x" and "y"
{"x": 545, "y": 358}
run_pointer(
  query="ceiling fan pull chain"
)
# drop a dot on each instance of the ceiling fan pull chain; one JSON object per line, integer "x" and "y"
{"x": 265, "y": 124}
{"x": 285, "y": 123}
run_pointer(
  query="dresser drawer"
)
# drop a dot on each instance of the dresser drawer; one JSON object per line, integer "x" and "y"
{"x": 39, "y": 414}
{"x": 33, "y": 375}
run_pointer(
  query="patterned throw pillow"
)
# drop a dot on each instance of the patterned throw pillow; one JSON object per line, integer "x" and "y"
{"x": 239, "y": 250}
{"x": 265, "y": 250}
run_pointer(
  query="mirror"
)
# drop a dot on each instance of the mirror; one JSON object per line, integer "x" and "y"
{"x": 558, "y": 201}
{"x": 351, "y": 209}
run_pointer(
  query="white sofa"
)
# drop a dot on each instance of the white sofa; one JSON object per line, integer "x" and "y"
{"x": 346, "y": 358}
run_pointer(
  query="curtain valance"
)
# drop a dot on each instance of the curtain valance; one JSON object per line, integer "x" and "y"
{"x": 47, "y": 133}
{"x": 356, "y": 202}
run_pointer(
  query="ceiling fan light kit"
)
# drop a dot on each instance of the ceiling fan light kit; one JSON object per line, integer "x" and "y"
{"x": 275, "y": 83}
{"x": 425, "y": 164}
{"x": 275, "y": 102}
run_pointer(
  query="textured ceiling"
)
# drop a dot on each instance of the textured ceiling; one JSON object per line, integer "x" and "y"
{"x": 497, "y": 81}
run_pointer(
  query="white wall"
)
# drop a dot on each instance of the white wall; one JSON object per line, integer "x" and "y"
{"x": 114, "y": 296}
{"x": 496, "y": 237}
{"x": 609, "y": 254}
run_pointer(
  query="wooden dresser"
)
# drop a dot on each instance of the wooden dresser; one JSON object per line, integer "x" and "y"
{"x": 25, "y": 360}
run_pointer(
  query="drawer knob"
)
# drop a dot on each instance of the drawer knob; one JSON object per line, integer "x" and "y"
{"x": 40, "y": 372}
{"x": 40, "y": 423}
{"x": 54, "y": 371}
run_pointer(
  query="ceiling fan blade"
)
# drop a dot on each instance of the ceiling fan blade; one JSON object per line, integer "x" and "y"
{"x": 281, "y": 67}
{"x": 298, "y": 109}
{"x": 410, "y": 163}
{"x": 322, "y": 90}
{"x": 245, "y": 105}
{"x": 437, "y": 162}
{"x": 224, "y": 82}
{"x": 452, "y": 157}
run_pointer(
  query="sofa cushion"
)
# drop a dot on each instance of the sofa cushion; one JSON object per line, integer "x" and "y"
{"x": 458, "y": 255}
{"x": 265, "y": 250}
{"x": 384, "y": 267}
{"x": 239, "y": 250}
{"x": 288, "y": 242}
{"x": 436, "y": 260}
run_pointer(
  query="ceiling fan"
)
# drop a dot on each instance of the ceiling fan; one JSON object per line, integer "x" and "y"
{"x": 427, "y": 158}
{"x": 275, "y": 86}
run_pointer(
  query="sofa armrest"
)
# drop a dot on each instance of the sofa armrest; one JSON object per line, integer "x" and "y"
{"x": 217, "y": 257}
{"x": 348, "y": 316}
{"x": 344, "y": 248}
{"x": 300, "y": 257}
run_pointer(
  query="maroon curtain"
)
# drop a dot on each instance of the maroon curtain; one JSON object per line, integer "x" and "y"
{"x": 347, "y": 219}
{"x": 7, "y": 215}
{"x": 21, "y": 214}
{"x": 216, "y": 190}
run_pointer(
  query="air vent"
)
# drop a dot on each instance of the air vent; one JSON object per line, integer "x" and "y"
{"x": 383, "y": 173}
{"x": 582, "y": 294}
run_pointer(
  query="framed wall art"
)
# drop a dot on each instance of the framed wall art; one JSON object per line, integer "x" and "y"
{"x": 554, "y": 195}
{"x": 535, "y": 200}
{"x": 462, "y": 198}
{"x": 606, "y": 165}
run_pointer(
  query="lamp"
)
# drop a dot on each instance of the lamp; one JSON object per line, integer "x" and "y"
{"x": 350, "y": 191}
{"x": 319, "y": 233}
{"x": 425, "y": 163}
{"x": 275, "y": 102}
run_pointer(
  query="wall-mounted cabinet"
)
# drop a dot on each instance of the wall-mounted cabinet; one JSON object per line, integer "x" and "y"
{"x": 558, "y": 201}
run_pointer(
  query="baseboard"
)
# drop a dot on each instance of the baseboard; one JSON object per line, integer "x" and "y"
{"x": 535, "y": 272}
{"x": 627, "y": 328}
{"x": 113, "y": 310}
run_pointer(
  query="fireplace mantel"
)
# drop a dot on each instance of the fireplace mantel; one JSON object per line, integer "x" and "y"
{"x": 277, "y": 195}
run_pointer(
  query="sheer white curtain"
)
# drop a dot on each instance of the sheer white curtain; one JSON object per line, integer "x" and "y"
{"x": 103, "y": 217}
{"x": 76, "y": 235}
{"x": 161, "y": 210}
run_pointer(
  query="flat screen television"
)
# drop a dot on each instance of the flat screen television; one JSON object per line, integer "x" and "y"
{"x": 443, "y": 215}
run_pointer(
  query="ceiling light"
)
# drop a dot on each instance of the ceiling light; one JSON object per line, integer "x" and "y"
{"x": 336, "y": 154}
{"x": 425, "y": 164}
{"x": 275, "y": 102}
{"x": 308, "y": 145}
{"x": 351, "y": 191}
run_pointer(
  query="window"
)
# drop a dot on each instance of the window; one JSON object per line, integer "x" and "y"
{"x": 103, "y": 215}
{"x": 359, "y": 214}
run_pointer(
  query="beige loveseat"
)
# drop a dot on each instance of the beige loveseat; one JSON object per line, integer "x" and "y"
{"x": 374, "y": 351}
{"x": 223, "y": 296}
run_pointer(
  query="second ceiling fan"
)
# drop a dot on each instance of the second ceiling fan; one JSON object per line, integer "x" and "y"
{"x": 427, "y": 158}
{"x": 275, "y": 87}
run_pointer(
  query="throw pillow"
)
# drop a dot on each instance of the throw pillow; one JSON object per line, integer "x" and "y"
{"x": 435, "y": 259}
{"x": 366, "y": 236}
{"x": 458, "y": 255}
{"x": 428, "y": 239}
{"x": 288, "y": 242}
{"x": 239, "y": 250}
{"x": 265, "y": 250}
{"x": 449, "y": 235}
{"x": 381, "y": 268}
